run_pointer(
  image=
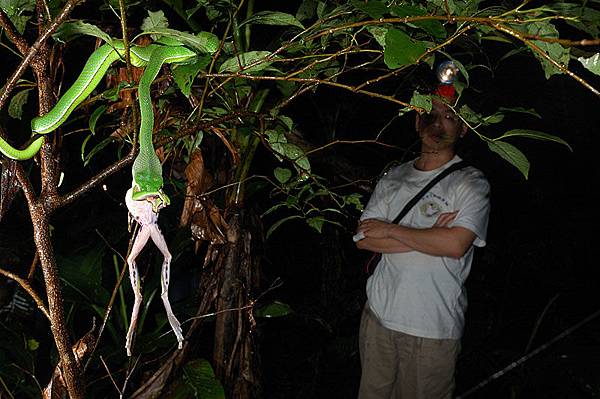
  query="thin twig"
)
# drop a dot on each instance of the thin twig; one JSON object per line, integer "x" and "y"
{"x": 29, "y": 289}
{"x": 539, "y": 322}
{"x": 276, "y": 284}
{"x": 528, "y": 356}
{"x": 110, "y": 376}
{"x": 129, "y": 374}
{"x": 34, "y": 262}
{"x": 353, "y": 89}
{"x": 111, "y": 301}
{"x": 335, "y": 142}
{"x": 6, "y": 388}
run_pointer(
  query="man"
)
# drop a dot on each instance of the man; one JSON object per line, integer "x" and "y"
{"x": 413, "y": 320}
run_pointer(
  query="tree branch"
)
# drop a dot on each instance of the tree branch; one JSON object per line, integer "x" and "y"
{"x": 353, "y": 89}
{"x": 25, "y": 285}
{"x": 94, "y": 181}
{"x": 12, "y": 81}
{"x": 542, "y": 53}
{"x": 13, "y": 35}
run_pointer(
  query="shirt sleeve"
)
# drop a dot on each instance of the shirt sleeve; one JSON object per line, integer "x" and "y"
{"x": 378, "y": 205}
{"x": 473, "y": 205}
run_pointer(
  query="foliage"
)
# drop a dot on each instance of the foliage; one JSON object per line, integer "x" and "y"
{"x": 236, "y": 103}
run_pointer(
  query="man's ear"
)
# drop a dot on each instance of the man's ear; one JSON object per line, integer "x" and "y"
{"x": 463, "y": 130}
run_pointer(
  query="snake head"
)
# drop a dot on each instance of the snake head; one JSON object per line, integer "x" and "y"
{"x": 157, "y": 198}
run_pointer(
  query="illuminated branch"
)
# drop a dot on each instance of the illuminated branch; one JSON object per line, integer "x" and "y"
{"x": 543, "y": 54}
{"x": 13, "y": 35}
{"x": 424, "y": 55}
{"x": 315, "y": 81}
{"x": 12, "y": 81}
{"x": 29, "y": 289}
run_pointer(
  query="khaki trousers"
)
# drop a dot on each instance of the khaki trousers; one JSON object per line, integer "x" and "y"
{"x": 401, "y": 366}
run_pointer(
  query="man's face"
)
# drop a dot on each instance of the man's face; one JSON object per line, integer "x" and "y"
{"x": 441, "y": 128}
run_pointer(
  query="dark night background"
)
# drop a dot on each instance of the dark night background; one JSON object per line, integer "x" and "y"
{"x": 541, "y": 249}
{"x": 542, "y": 245}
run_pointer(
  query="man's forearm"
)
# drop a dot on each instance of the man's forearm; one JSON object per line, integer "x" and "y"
{"x": 436, "y": 241}
{"x": 383, "y": 245}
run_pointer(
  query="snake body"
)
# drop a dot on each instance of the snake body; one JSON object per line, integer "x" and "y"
{"x": 147, "y": 170}
{"x": 146, "y": 197}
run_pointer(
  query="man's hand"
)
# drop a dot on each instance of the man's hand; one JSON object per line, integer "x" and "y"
{"x": 374, "y": 228}
{"x": 445, "y": 219}
{"x": 439, "y": 240}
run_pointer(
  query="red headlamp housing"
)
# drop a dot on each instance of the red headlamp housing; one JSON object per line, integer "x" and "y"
{"x": 445, "y": 91}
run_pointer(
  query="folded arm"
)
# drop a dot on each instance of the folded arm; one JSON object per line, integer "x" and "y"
{"x": 439, "y": 240}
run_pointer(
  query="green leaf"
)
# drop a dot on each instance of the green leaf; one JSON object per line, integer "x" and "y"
{"x": 521, "y": 110}
{"x": 405, "y": 10}
{"x": 112, "y": 94}
{"x": 468, "y": 114}
{"x": 321, "y": 8}
{"x": 276, "y": 139}
{"x": 99, "y": 147}
{"x": 306, "y": 10}
{"x": 400, "y": 49}
{"x": 316, "y": 222}
{"x": 18, "y": 11}
{"x": 273, "y": 309}
{"x": 586, "y": 19}
{"x": 287, "y": 121}
{"x": 70, "y": 30}
{"x": 378, "y": 33}
{"x": 198, "y": 380}
{"x": 511, "y": 154}
{"x": 279, "y": 223}
{"x": 15, "y": 107}
{"x": 494, "y": 118}
{"x": 592, "y": 63}
{"x": 239, "y": 63}
{"x": 273, "y": 18}
{"x": 32, "y": 344}
{"x": 82, "y": 270}
{"x": 373, "y": 8}
{"x": 554, "y": 50}
{"x": 441, "y": 5}
{"x": 273, "y": 209}
{"x": 296, "y": 154}
{"x": 184, "y": 75}
{"x": 421, "y": 101}
{"x": 354, "y": 199}
{"x": 95, "y": 116}
{"x": 200, "y": 375}
{"x": 282, "y": 174}
{"x": 433, "y": 27}
{"x": 202, "y": 42}
{"x": 154, "y": 20}
{"x": 534, "y": 134}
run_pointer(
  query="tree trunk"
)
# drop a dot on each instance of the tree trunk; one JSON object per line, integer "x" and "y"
{"x": 236, "y": 358}
{"x": 69, "y": 366}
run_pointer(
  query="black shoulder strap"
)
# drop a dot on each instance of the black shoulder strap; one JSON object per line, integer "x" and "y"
{"x": 424, "y": 190}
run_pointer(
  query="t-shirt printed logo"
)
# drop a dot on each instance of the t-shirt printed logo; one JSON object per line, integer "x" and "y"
{"x": 430, "y": 209}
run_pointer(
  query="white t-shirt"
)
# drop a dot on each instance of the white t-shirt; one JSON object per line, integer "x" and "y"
{"x": 413, "y": 292}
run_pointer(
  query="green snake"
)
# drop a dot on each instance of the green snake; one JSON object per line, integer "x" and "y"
{"x": 145, "y": 198}
{"x": 147, "y": 170}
